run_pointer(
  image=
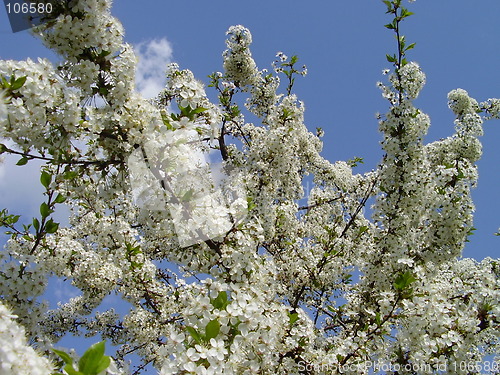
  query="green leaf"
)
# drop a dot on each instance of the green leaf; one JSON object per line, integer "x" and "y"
{"x": 410, "y": 46}
{"x": 45, "y": 211}
{"x": 404, "y": 280}
{"x": 22, "y": 161}
{"x": 70, "y": 175}
{"x": 65, "y": 356}
{"x": 389, "y": 5}
{"x": 93, "y": 359}
{"x": 132, "y": 250}
{"x": 103, "y": 364}
{"x": 292, "y": 318}
{"x": 51, "y": 227}
{"x": 199, "y": 110}
{"x": 184, "y": 110}
{"x": 354, "y": 162}
{"x": 194, "y": 334}
{"x": 391, "y": 58}
{"x": 220, "y": 302}
{"x": 5, "y": 83}
{"x": 36, "y": 224}
{"x": 405, "y": 13}
{"x": 378, "y": 319}
{"x": 188, "y": 195}
{"x": 18, "y": 83}
{"x": 362, "y": 229}
{"x": 250, "y": 203}
{"x": 212, "y": 329}
{"x": 71, "y": 371}
{"x": 46, "y": 179}
{"x": 60, "y": 199}
{"x": 166, "y": 121}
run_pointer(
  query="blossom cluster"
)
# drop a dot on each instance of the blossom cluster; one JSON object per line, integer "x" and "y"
{"x": 227, "y": 267}
{"x": 40, "y": 101}
{"x": 239, "y": 65}
{"x": 16, "y": 356}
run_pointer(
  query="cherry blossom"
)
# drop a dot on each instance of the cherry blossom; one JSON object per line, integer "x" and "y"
{"x": 226, "y": 267}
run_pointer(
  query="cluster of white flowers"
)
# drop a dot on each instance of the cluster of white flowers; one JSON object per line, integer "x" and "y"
{"x": 239, "y": 65}
{"x": 457, "y": 306}
{"x": 263, "y": 94}
{"x": 233, "y": 329}
{"x": 492, "y": 108}
{"x": 42, "y": 99}
{"x": 183, "y": 85}
{"x": 411, "y": 79}
{"x": 226, "y": 270}
{"x": 91, "y": 40}
{"x": 23, "y": 282}
{"x": 16, "y": 356}
{"x": 188, "y": 92}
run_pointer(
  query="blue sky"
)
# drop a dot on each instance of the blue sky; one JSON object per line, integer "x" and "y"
{"x": 343, "y": 44}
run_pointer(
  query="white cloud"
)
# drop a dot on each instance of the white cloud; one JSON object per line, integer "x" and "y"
{"x": 20, "y": 189}
{"x": 154, "y": 55}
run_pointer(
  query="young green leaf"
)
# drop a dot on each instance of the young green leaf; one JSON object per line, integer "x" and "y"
{"x": 18, "y": 83}
{"x": 51, "y": 227}
{"x": 220, "y": 302}
{"x": 404, "y": 280}
{"x": 46, "y": 179}
{"x": 391, "y": 58}
{"x": 45, "y": 211}
{"x": 293, "y": 317}
{"x": 5, "y": 83}
{"x": 60, "y": 199}
{"x": 212, "y": 329}
{"x": 103, "y": 364}
{"x": 198, "y": 110}
{"x": 194, "y": 334}
{"x": 71, "y": 371}
{"x": 36, "y": 224}
{"x": 65, "y": 356}
{"x": 410, "y": 46}
{"x": 378, "y": 319}
{"x": 22, "y": 161}
{"x": 188, "y": 195}
{"x": 362, "y": 229}
{"x": 389, "y": 6}
{"x": 93, "y": 361}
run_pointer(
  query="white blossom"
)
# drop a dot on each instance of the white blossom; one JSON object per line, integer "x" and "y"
{"x": 236, "y": 246}
{"x": 16, "y": 356}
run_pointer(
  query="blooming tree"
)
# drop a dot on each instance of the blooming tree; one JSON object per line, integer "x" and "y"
{"x": 225, "y": 272}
